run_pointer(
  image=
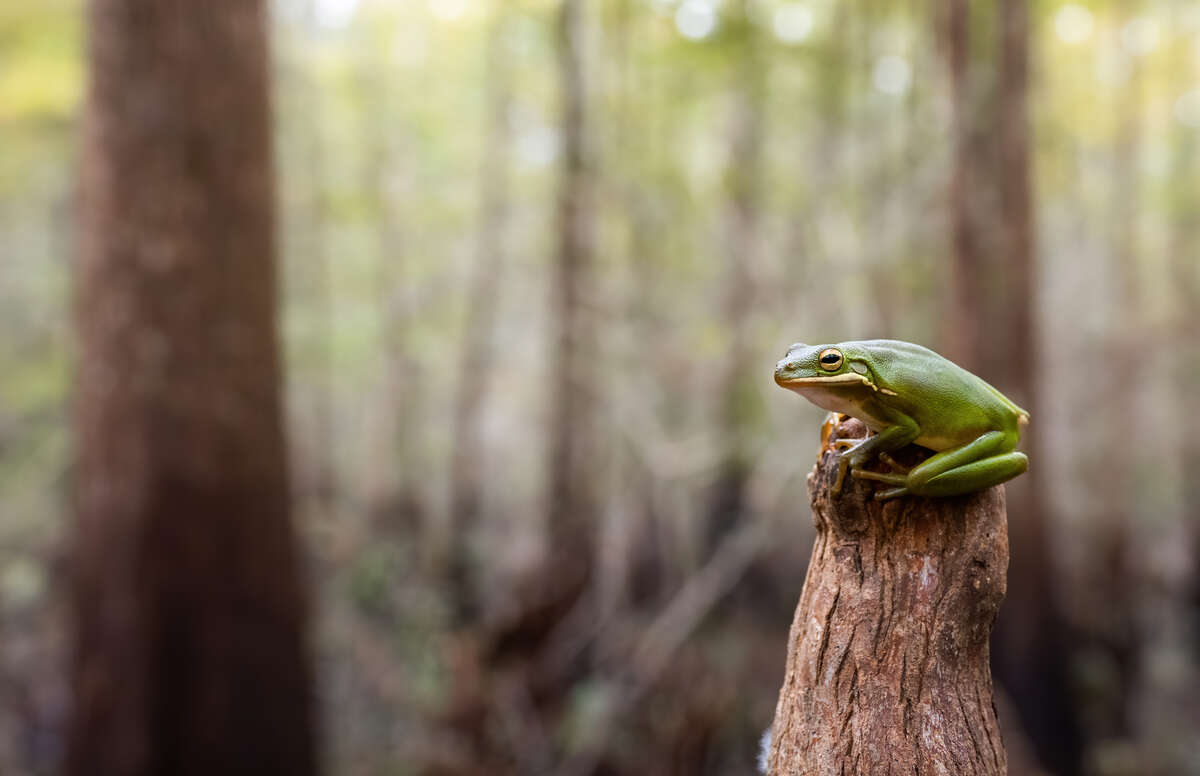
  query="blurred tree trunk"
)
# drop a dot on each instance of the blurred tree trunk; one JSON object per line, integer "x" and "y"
{"x": 1032, "y": 653}
{"x": 740, "y": 406}
{"x": 189, "y": 653}
{"x": 397, "y": 468}
{"x": 1112, "y": 627}
{"x": 1184, "y": 247}
{"x": 963, "y": 330}
{"x": 571, "y": 497}
{"x": 1179, "y": 699}
{"x": 992, "y": 330}
{"x": 321, "y": 485}
{"x": 475, "y": 361}
{"x": 626, "y": 540}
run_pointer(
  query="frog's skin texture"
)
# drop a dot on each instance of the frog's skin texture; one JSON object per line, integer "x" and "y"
{"x": 908, "y": 394}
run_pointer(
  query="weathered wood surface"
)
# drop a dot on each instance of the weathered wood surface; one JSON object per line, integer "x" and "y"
{"x": 887, "y": 668}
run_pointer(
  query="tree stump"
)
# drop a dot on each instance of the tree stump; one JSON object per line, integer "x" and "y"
{"x": 887, "y": 668}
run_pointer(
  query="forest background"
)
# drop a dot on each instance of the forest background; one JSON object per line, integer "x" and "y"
{"x": 538, "y": 261}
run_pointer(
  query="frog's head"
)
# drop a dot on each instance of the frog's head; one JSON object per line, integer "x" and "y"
{"x": 816, "y": 366}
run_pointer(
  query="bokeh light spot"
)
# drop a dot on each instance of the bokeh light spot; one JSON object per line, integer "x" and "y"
{"x": 696, "y": 19}
{"x": 1187, "y": 109}
{"x": 538, "y": 146}
{"x": 1073, "y": 23}
{"x": 447, "y": 10}
{"x": 334, "y": 14}
{"x": 892, "y": 74}
{"x": 792, "y": 22}
{"x": 1140, "y": 36}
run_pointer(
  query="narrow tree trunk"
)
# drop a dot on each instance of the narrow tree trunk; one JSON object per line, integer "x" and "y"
{"x": 475, "y": 365}
{"x": 321, "y": 485}
{"x": 887, "y": 668}
{"x": 739, "y": 399}
{"x": 1030, "y": 640}
{"x": 187, "y": 608}
{"x": 396, "y": 476}
{"x": 1114, "y": 625}
{"x": 1184, "y": 248}
{"x": 570, "y": 499}
{"x": 992, "y": 330}
{"x": 963, "y": 325}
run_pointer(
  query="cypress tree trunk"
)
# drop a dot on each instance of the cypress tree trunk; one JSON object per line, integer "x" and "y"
{"x": 187, "y": 606}
{"x": 887, "y": 668}
{"x": 570, "y": 501}
{"x": 991, "y": 329}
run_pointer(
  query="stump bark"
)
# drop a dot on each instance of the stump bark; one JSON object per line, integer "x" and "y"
{"x": 887, "y": 668}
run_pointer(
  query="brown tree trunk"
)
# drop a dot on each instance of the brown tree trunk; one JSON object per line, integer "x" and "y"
{"x": 188, "y": 611}
{"x": 1031, "y": 648}
{"x": 570, "y": 499}
{"x": 887, "y": 668}
{"x": 964, "y": 329}
{"x": 992, "y": 330}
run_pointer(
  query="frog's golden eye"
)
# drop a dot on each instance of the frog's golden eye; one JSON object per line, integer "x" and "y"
{"x": 831, "y": 359}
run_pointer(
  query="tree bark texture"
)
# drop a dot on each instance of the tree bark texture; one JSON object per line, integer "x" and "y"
{"x": 187, "y": 608}
{"x": 887, "y": 668}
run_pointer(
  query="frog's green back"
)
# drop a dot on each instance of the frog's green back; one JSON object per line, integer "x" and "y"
{"x": 937, "y": 376}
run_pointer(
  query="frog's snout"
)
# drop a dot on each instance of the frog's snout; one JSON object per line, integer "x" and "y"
{"x": 787, "y": 367}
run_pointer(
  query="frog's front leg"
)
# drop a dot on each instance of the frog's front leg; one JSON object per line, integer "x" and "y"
{"x": 903, "y": 431}
{"x": 986, "y": 461}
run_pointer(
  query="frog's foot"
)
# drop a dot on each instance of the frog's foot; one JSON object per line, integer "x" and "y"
{"x": 842, "y": 446}
{"x": 895, "y": 465}
{"x": 898, "y": 480}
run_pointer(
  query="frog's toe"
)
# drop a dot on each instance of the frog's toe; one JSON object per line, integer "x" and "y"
{"x": 890, "y": 493}
{"x": 895, "y": 465}
{"x": 866, "y": 474}
{"x": 843, "y": 464}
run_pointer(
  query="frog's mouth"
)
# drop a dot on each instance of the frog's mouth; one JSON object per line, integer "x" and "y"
{"x": 842, "y": 379}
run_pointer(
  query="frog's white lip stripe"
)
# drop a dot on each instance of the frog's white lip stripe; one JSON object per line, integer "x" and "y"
{"x": 844, "y": 379}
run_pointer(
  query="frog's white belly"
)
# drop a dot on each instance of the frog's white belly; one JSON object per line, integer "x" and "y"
{"x": 855, "y": 407}
{"x": 840, "y": 402}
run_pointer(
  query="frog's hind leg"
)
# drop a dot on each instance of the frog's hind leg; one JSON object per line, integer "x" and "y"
{"x": 979, "y": 475}
{"x": 984, "y": 462}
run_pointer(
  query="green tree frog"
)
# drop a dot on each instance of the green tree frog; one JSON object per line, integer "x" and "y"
{"x": 908, "y": 394}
